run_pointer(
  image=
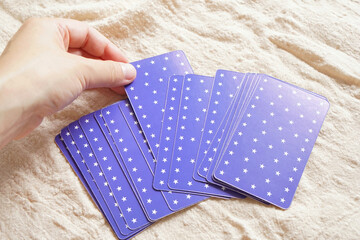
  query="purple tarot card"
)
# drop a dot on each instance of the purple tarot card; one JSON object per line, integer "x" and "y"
{"x": 95, "y": 145}
{"x": 192, "y": 111}
{"x": 223, "y": 94}
{"x": 140, "y": 173}
{"x": 106, "y": 201}
{"x": 279, "y": 134}
{"x": 147, "y": 93}
{"x": 175, "y": 200}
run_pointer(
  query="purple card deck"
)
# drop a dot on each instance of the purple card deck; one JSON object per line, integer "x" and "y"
{"x": 95, "y": 181}
{"x": 181, "y": 138}
{"x": 222, "y": 97}
{"x": 168, "y": 132}
{"x": 279, "y": 134}
{"x": 176, "y": 201}
{"x": 148, "y": 91}
{"x": 94, "y": 144}
{"x": 140, "y": 173}
{"x": 191, "y": 117}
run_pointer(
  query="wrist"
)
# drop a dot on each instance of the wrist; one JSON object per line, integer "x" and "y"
{"x": 17, "y": 111}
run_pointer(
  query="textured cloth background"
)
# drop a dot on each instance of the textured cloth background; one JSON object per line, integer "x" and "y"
{"x": 315, "y": 45}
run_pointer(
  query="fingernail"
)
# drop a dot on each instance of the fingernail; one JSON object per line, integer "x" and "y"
{"x": 129, "y": 71}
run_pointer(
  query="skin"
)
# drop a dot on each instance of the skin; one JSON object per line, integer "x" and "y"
{"x": 47, "y": 64}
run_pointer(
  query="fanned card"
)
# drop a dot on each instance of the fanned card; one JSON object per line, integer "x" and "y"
{"x": 278, "y": 134}
{"x": 147, "y": 92}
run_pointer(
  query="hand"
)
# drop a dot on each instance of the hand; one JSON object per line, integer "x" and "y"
{"x": 47, "y": 64}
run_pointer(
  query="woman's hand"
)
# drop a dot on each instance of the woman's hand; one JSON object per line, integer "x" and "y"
{"x": 47, "y": 64}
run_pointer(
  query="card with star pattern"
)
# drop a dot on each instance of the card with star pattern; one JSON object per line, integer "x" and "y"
{"x": 181, "y": 138}
{"x": 279, "y": 134}
{"x": 191, "y": 117}
{"x": 222, "y": 97}
{"x": 175, "y": 200}
{"x": 147, "y": 92}
{"x": 100, "y": 191}
{"x": 154, "y": 203}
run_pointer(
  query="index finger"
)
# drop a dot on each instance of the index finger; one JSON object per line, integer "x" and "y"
{"x": 78, "y": 34}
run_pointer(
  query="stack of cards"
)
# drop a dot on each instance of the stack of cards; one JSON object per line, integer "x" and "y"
{"x": 181, "y": 138}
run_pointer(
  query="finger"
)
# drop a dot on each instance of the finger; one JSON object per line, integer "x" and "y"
{"x": 82, "y": 53}
{"x": 78, "y": 34}
{"x": 100, "y": 73}
{"x": 119, "y": 90}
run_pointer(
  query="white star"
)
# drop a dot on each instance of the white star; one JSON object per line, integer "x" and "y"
{"x": 253, "y": 186}
{"x": 277, "y": 173}
{"x": 286, "y": 189}
{"x": 267, "y": 180}
{"x": 237, "y": 179}
{"x": 291, "y": 179}
{"x": 222, "y": 172}
{"x": 139, "y": 179}
{"x": 189, "y": 183}
{"x": 269, "y": 194}
{"x": 282, "y": 200}
{"x": 144, "y": 190}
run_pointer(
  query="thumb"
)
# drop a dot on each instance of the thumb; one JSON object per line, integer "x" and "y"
{"x": 99, "y": 73}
